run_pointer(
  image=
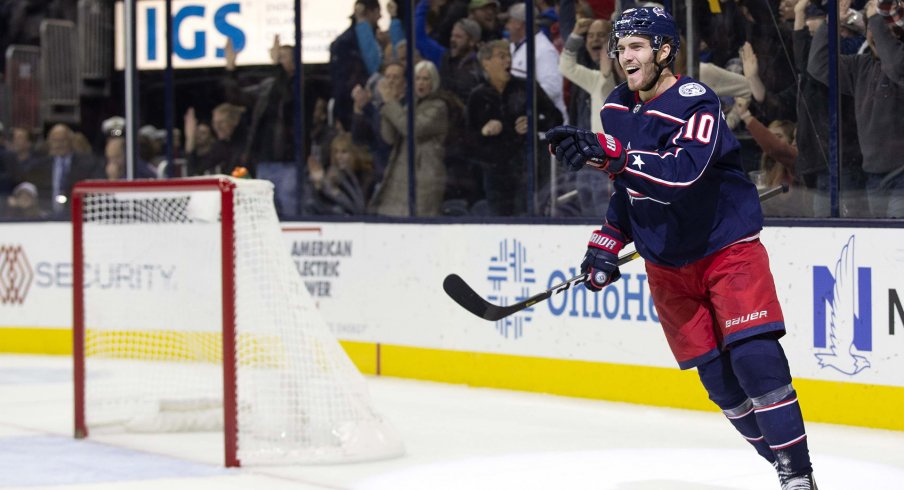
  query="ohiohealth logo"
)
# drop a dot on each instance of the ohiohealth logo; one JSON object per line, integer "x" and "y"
{"x": 15, "y": 274}
{"x": 510, "y": 278}
{"x": 842, "y": 333}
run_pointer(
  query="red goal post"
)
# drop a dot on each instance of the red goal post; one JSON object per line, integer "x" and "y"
{"x": 188, "y": 315}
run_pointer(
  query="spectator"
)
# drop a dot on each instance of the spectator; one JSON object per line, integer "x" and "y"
{"x": 379, "y": 47}
{"x": 546, "y": 57}
{"x": 113, "y": 126}
{"x": 548, "y": 21}
{"x": 344, "y": 187}
{"x": 23, "y": 203}
{"x": 768, "y": 36}
{"x": 321, "y": 133}
{"x": 812, "y": 165}
{"x": 268, "y": 151}
{"x": 56, "y": 174}
{"x": 876, "y": 80}
{"x": 115, "y": 161}
{"x": 580, "y": 110}
{"x": 460, "y": 73}
{"x": 203, "y": 139}
{"x": 22, "y": 147}
{"x": 441, "y": 18}
{"x": 458, "y": 69}
{"x": 497, "y": 129}
{"x": 485, "y": 13}
{"x": 115, "y": 155}
{"x": 598, "y": 83}
{"x": 366, "y": 123}
{"x": 431, "y": 47}
{"x": 777, "y": 163}
{"x": 225, "y": 150}
{"x": 430, "y": 129}
{"x": 14, "y": 159}
{"x": 347, "y": 62}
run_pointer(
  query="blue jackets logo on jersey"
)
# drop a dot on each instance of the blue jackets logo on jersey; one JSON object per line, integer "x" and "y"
{"x": 511, "y": 279}
{"x": 691, "y": 90}
{"x": 842, "y": 314}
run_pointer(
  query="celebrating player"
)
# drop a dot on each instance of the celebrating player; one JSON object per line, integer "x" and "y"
{"x": 682, "y": 197}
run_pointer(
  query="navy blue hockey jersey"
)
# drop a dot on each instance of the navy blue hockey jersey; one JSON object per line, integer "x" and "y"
{"x": 683, "y": 194}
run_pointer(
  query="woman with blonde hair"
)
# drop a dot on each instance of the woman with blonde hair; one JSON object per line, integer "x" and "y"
{"x": 344, "y": 186}
{"x": 431, "y": 125}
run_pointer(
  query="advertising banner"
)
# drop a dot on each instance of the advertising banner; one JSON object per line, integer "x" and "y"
{"x": 201, "y": 29}
{"x": 841, "y": 291}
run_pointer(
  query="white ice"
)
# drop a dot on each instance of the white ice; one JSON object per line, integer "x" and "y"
{"x": 457, "y": 438}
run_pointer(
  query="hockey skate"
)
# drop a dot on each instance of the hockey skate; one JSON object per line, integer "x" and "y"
{"x": 803, "y": 482}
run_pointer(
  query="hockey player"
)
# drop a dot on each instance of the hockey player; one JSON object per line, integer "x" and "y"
{"x": 682, "y": 197}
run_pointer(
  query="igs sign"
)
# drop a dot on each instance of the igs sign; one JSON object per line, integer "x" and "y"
{"x": 202, "y": 27}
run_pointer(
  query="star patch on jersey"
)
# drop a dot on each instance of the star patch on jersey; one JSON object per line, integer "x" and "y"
{"x": 691, "y": 90}
{"x": 639, "y": 162}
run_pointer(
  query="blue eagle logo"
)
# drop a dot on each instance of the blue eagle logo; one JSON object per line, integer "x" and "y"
{"x": 844, "y": 314}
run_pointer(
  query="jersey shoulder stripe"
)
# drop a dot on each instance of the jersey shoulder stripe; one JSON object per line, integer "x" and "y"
{"x": 613, "y": 105}
{"x": 663, "y": 115}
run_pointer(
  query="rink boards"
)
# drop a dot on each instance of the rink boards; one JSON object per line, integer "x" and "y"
{"x": 379, "y": 288}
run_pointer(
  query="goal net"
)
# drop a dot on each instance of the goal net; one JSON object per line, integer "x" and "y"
{"x": 190, "y": 315}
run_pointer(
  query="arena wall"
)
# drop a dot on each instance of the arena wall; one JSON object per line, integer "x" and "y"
{"x": 379, "y": 288}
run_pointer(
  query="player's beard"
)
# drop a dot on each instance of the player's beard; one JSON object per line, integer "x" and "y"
{"x": 644, "y": 78}
{"x": 647, "y": 78}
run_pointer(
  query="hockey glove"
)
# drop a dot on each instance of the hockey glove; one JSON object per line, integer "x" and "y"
{"x": 577, "y": 147}
{"x": 601, "y": 259}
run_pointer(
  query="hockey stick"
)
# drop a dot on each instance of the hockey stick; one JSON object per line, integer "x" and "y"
{"x": 467, "y": 298}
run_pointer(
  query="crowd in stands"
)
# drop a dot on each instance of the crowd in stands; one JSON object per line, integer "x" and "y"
{"x": 768, "y": 61}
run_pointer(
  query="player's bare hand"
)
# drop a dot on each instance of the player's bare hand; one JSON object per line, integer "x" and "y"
{"x": 491, "y": 128}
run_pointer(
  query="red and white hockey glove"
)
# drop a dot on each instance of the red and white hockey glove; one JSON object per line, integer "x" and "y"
{"x": 601, "y": 259}
{"x": 576, "y": 147}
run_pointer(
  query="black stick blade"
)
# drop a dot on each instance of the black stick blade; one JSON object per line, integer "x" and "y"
{"x": 461, "y": 293}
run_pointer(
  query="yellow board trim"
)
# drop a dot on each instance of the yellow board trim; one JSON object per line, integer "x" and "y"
{"x": 854, "y": 404}
{"x": 53, "y": 341}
